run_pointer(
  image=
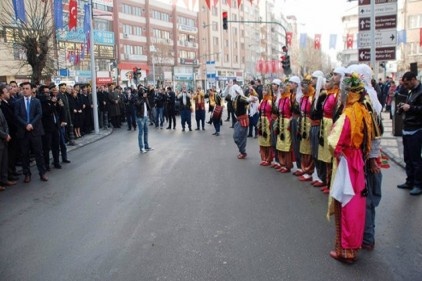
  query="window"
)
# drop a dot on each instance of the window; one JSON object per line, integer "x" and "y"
{"x": 127, "y": 29}
{"x": 235, "y": 31}
{"x": 415, "y": 49}
{"x": 226, "y": 58}
{"x": 103, "y": 25}
{"x": 214, "y": 26}
{"x": 160, "y": 16}
{"x": 236, "y": 59}
{"x": 137, "y": 31}
{"x": 415, "y": 21}
{"x": 226, "y": 43}
{"x": 215, "y": 41}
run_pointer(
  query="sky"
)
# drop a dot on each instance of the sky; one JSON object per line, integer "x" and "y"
{"x": 317, "y": 17}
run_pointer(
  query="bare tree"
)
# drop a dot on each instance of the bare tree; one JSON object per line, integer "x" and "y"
{"x": 35, "y": 36}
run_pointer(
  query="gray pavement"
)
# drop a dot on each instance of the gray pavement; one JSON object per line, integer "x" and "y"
{"x": 391, "y": 146}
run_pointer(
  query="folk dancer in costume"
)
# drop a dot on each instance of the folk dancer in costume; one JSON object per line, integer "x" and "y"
{"x": 185, "y": 108}
{"x": 296, "y": 90}
{"x": 372, "y": 168}
{"x": 264, "y": 127}
{"x": 253, "y": 113}
{"x": 318, "y": 82}
{"x": 285, "y": 109}
{"x": 211, "y": 102}
{"x": 328, "y": 107}
{"x": 240, "y": 106}
{"x": 217, "y": 114}
{"x": 305, "y": 106}
{"x": 350, "y": 142}
{"x": 276, "y": 95}
{"x": 199, "y": 99}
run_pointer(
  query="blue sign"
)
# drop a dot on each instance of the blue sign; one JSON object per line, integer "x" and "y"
{"x": 79, "y": 36}
{"x": 64, "y": 72}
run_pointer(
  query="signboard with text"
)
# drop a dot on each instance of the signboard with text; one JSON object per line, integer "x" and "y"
{"x": 385, "y": 30}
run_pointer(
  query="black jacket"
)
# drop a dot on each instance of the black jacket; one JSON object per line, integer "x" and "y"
{"x": 413, "y": 117}
{"x": 139, "y": 104}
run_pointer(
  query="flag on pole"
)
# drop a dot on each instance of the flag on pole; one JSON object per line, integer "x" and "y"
{"x": 87, "y": 25}
{"x": 73, "y": 14}
{"x": 229, "y": 2}
{"x": 349, "y": 41}
{"x": 58, "y": 14}
{"x": 19, "y": 6}
{"x": 289, "y": 36}
{"x": 302, "y": 40}
{"x": 420, "y": 37}
{"x": 238, "y": 3}
{"x": 333, "y": 41}
{"x": 208, "y": 4}
{"x": 317, "y": 41}
{"x": 401, "y": 37}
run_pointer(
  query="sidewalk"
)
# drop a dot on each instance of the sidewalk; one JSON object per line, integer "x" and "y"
{"x": 90, "y": 138}
{"x": 390, "y": 145}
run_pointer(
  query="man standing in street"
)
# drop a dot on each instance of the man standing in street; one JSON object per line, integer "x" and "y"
{"x": 28, "y": 114}
{"x": 142, "y": 108}
{"x": 185, "y": 108}
{"x": 412, "y": 134}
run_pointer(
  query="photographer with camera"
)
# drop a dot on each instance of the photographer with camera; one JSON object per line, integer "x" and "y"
{"x": 51, "y": 122}
{"x": 412, "y": 133}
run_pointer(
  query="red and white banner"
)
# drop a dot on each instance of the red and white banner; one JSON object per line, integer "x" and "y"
{"x": 73, "y": 14}
{"x": 289, "y": 36}
{"x": 208, "y": 2}
{"x": 420, "y": 37}
{"x": 317, "y": 41}
{"x": 349, "y": 41}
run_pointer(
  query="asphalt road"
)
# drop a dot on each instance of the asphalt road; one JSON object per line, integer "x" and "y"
{"x": 190, "y": 210}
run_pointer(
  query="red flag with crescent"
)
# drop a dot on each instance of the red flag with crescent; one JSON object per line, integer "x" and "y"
{"x": 208, "y": 2}
{"x": 73, "y": 14}
{"x": 420, "y": 37}
{"x": 289, "y": 36}
{"x": 317, "y": 41}
{"x": 349, "y": 41}
{"x": 239, "y": 2}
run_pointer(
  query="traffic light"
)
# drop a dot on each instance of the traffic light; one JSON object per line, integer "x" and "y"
{"x": 225, "y": 20}
{"x": 286, "y": 64}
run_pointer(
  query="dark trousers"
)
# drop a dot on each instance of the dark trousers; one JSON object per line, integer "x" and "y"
{"x": 4, "y": 163}
{"x": 373, "y": 184}
{"x": 62, "y": 142}
{"x": 13, "y": 150}
{"x": 200, "y": 118}
{"x": 253, "y": 121}
{"x": 185, "y": 116}
{"x": 412, "y": 148}
{"x": 50, "y": 141}
{"x": 34, "y": 144}
{"x": 131, "y": 118}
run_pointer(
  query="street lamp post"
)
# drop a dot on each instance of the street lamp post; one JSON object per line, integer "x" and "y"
{"x": 93, "y": 74}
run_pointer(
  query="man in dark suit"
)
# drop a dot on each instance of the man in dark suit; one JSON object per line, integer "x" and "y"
{"x": 28, "y": 114}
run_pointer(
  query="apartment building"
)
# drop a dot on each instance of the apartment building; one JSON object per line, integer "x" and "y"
{"x": 160, "y": 38}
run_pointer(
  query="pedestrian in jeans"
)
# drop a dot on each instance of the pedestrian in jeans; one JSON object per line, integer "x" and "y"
{"x": 142, "y": 109}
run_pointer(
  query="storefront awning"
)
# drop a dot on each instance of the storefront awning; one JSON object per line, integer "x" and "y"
{"x": 132, "y": 65}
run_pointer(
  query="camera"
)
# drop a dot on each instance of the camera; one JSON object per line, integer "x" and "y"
{"x": 399, "y": 108}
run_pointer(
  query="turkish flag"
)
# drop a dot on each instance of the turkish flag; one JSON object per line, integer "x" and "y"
{"x": 420, "y": 37}
{"x": 239, "y": 2}
{"x": 215, "y": 2}
{"x": 317, "y": 41}
{"x": 208, "y": 3}
{"x": 229, "y": 2}
{"x": 73, "y": 14}
{"x": 289, "y": 36}
{"x": 349, "y": 41}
